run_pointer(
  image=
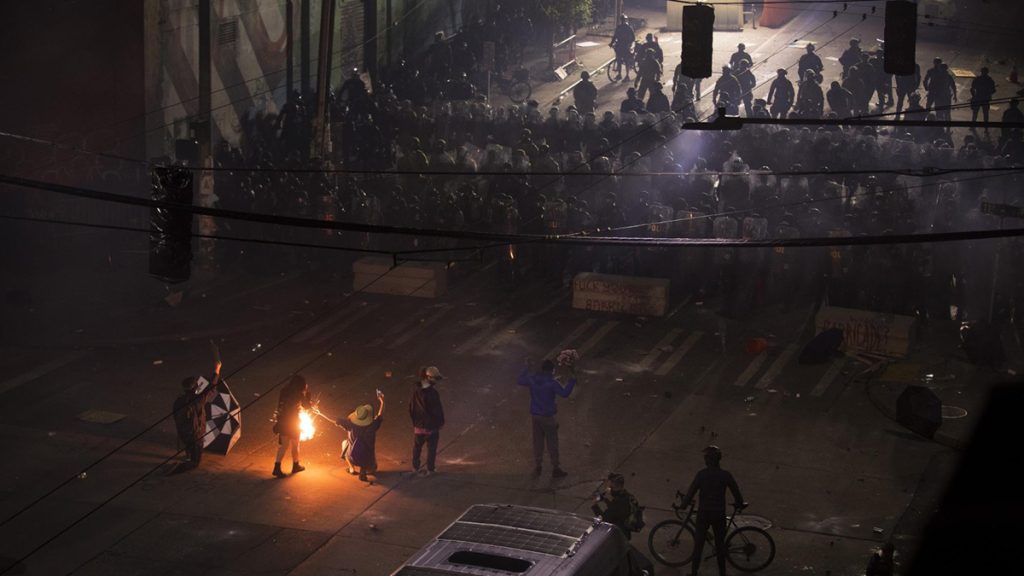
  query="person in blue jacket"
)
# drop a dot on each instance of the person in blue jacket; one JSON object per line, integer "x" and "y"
{"x": 543, "y": 390}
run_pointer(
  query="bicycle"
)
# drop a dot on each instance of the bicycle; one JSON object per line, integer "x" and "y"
{"x": 748, "y": 548}
{"x": 517, "y": 88}
{"x": 628, "y": 60}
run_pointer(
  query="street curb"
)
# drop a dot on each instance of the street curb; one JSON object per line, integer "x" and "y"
{"x": 890, "y": 413}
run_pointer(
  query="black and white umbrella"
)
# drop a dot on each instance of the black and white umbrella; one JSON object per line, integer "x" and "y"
{"x": 223, "y": 421}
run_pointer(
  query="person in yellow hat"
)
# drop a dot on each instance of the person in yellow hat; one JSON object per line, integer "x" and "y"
{"x": 362, "y": 426}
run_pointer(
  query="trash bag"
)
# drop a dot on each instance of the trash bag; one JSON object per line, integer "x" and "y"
{"x": 822, "y": 347}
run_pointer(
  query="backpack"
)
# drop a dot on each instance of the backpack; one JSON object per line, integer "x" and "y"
{"x": 635, "y": 520}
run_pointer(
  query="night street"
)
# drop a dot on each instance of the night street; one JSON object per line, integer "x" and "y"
{"x": 159, "y": 221}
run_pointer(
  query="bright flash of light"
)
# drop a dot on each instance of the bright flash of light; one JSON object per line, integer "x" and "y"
{"x": 306, "y": 427}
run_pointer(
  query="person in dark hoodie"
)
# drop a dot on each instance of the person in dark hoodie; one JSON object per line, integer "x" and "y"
{"x": 427, "y": 416}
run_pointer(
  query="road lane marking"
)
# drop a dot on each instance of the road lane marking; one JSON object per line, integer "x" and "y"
{"x": 829, "y": 377}
{"x": 423, "y": 326}
{"x": 323, "y": 324}
{"x": 751, "y": 369}
{"x": 40, "y": 371}
{"x": 579, "y": 331}
{"x": 678, "y": 354}
{"x": 345, "y": 324}
{"x": 669, "y": 338}
{"x": 776, "y": 367}
{"x": 597, "y": 337}
{"x": 498, "y": 338}
{"x": 399, "y": 328}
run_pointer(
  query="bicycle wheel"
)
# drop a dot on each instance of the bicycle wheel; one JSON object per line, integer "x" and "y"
{"x": 671, "y": 543}
{"x": 749, "y": 548}
{"x": 519, "y": 92}
{"x": 610, "y": 69}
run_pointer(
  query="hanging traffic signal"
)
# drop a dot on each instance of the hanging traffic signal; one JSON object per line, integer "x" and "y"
{"x": 900, "y": 37}
{"x": 698, "y": 26}
{"x": 170, "y": 230}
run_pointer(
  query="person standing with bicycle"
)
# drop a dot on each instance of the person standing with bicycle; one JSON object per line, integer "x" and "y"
{"x": 622, "y": 41}
{"x": 712, "y": 482}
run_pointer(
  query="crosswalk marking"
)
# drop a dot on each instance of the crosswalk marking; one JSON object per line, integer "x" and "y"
{"x": 669, "y": 338}
{"x": 416, "y": 330}
{"x": 829, "y": 377}
{"x": 344, "y": 325}
{"x": 323, "y": 324}
{"x": 499, "y": 338}
{"x": 679, "y": 353}
{"x": 580, "y": 330}
{"x": 776, "y": 367}
{"x": 597, "y": 337}
{"x": 751, "y": 369}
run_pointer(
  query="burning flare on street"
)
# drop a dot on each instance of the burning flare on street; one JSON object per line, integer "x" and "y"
{"x": 306, "y": 425}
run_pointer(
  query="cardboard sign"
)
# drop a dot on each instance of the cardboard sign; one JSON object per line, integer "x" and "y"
{"x": 622, "y": 294}
{"x": 867, "y": 331}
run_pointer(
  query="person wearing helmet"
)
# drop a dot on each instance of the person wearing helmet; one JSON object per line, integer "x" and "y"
{"x": 622, "y": 41}
{"x": 781, "y": 95}
{"x": 711, "y": 483}
{"x": 584, "y": 94}
{"x": 809, "y": 61}
{"x": 851, "y": 56}
{"x": 740, "y": 55}
{"x": 727, "y": 92}
{"x": 190, "y": 415}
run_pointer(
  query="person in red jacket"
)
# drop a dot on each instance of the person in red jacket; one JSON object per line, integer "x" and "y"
{"x": 427, "y": 416}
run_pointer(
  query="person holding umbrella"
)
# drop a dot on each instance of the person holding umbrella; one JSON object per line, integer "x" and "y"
{"x": 190, "y": 415}
{"x": 362, "y": 426}
{"x": 293, "y": 398}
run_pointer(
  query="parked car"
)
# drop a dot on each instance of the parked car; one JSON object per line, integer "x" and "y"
{"x": 495, "y": 539}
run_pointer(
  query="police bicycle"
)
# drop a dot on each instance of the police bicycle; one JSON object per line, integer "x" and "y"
{"x": 747, "y": 548}
{"x": 517, "y": 87}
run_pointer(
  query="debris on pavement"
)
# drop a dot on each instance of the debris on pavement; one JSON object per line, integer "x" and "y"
{"x": 157, "y": 362}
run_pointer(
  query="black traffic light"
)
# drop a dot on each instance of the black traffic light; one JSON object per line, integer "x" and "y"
{"x": 170, "y": 230}
{"x": 698, "y": 27}
{"x": 900, "y": 37}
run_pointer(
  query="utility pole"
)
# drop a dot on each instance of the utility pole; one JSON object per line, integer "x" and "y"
{"x": 304, "y": 49}
{"x": 204, "y": 134}
{"x": 321, "y": 142}
{"x": 289, "y": 23}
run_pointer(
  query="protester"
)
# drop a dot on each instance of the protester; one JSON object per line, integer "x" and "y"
{"x": 982, "y": 89}
{"x": 362, "y": 426}
{"x": 727, "y": 92}
{"x": 615, "y": 505}
{"x": 427, "y": 416}
{"x": 781, "y": 95}
{"x": 711, "y": 483}
{"x": 293, "y": 398}
{"x": 544, "y": 387}
{"x": 190, "y": 416}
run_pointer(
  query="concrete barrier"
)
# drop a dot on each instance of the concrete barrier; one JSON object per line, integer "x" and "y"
{"x": 420, "y": 279}
{"x": 868, "y": 332}
{"x": 623, "y": 294}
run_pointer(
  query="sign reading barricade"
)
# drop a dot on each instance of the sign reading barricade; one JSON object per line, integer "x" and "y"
{"x": 623, "y": 294}
{"x": 868, "y": 332}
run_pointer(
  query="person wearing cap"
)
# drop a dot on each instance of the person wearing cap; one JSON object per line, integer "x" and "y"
{"x": 648, "y": 72}
{"x": 190, "y": 415}
{"x": 584, "y": 94}
{"x": 810, "y": 102}
{"x": 611, "y": 503}
{"x": 747, "y": 85}
{"x": 809, "y": 61}
{"x": 851, "y": 56}
{"x": 427, "y": 416}
{"x": 740, "y": 55}
{"x": 622, "y": 42}
{"x": 711, "y": 482}
{"x": 362, "y": 426}
{"x": 781, "y": 95}
{"x": 293, "y": 397}
{"x": 543, "y": 390}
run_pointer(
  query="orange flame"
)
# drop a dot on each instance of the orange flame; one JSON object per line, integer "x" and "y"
{"x": 306, "y": 427}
